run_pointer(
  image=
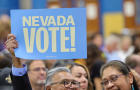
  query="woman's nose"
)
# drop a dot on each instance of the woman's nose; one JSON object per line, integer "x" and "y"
{"x": 84, "y": 79}
{"x": 110, "y": 84}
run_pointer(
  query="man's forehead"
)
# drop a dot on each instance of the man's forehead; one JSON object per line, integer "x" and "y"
{"x": 37, "y": 63}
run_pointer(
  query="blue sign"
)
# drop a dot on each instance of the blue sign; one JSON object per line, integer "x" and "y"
{"x": 50, "y": 33}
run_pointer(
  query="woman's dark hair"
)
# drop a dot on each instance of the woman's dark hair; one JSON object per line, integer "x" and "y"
{"x": 95, "y": 71}
{"x": 93, "y": 54}
{"x": 70, "y": 66}
{"x": 120, "y": 66}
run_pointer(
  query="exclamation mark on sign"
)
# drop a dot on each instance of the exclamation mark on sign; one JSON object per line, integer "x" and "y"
{"x": 73, "y": 49}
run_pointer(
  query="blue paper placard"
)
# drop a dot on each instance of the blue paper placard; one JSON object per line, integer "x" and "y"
{"x": 50, "y": 33}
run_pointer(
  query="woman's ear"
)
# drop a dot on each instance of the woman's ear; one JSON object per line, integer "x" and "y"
{"x": 131, "y": 76}
{"x": 48, "y": 88}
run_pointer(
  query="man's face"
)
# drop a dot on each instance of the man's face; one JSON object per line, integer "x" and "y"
{"x": 59, "y": 77}
{"x": 37, "y": 73}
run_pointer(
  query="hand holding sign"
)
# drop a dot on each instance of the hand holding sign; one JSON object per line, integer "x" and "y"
{"x": 50, "y": 33}
{"x": 11, "y": 44}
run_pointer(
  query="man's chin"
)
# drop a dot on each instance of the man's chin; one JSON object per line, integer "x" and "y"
{"x": 115, "y": 89}
{"x": 41, "y": 82}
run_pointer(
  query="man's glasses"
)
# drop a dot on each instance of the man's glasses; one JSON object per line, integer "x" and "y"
{"x": 68, "y": 83}
{"x": 113, "y": 79}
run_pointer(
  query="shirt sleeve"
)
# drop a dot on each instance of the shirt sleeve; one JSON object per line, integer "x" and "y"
{"x": 19, "y": 71}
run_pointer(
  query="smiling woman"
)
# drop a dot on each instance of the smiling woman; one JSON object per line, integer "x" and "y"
{"x": 81, "y": 74}
{"x": 116, "y": 75}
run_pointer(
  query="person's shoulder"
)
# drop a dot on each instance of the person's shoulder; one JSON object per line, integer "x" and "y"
{"x": 5, "y": 76}
{"x": 5, "y": 70}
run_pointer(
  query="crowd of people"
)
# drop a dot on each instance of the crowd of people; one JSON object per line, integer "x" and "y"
{"x": 112, "y": 63}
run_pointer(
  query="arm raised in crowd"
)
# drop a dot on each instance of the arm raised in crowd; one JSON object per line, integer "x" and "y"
{"x": 11, "y": 44}
{"x": 19, "y": 75}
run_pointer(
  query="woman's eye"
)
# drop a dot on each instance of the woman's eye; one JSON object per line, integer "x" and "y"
{"x": 86, "y": 76}
{"x": 78, "y": 76}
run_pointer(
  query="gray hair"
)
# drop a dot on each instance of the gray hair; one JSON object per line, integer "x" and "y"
{"x": 111, "y": 39}
{"x": 54, "y": 71}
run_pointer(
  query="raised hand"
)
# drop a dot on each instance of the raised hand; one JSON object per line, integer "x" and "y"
{"x": 11, "y": 44}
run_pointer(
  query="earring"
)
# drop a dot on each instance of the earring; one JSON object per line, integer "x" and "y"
{"x": 132, "y": 86}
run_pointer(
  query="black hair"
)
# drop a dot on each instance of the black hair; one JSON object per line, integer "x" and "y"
{"x": 95, "y": 71}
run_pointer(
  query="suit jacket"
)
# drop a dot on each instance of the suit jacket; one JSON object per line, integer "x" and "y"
{"x": 5, "y": 80}
{"x": 21, "y": 82}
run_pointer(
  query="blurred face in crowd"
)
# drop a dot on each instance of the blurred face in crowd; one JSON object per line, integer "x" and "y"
{"x": 63, "y": 81}
{"x": 137, "y": 41}
{"x": 112, "y": 79}
{"x": 114, "y": 46}
{"x": 37, "y": 73}
{"x": 137, "y": 59}
{"x": 126, "y": 43}
{"x": 80, "y": 75}
{"x": 50, "y": 63}
{"x": 98, "y": 40}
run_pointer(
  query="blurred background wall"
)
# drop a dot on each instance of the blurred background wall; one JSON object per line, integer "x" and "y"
{"x": 103, "y": 16}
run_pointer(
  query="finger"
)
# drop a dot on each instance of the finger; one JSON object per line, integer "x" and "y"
{"x": 14, "y": 42}
{"x": 11, "y": 36}
{"x": 10, "y": 41}
{"x": 11, "y": 45}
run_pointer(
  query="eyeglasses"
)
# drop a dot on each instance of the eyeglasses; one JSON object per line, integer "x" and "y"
{"x": 68, "y": 83}
{"x": 113, "y": 79}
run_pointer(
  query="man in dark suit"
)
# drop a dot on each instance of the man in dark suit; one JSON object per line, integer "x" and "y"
{"x": 21, "y": 82}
